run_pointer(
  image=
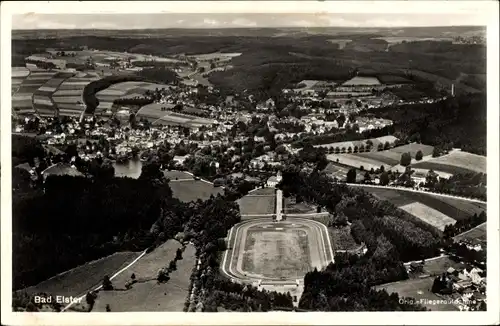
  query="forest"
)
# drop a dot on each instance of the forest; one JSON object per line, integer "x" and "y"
{"x": 454, "y": 122}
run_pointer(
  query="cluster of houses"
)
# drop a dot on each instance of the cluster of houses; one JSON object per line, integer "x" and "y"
{"x": 464, "y": 286}
{"x": 468, "y": 286}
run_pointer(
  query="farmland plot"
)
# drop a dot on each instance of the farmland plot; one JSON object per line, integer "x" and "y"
{"x": 413, "y": 149}
{"x": 386, "y": 157}
{"x": 456, "y": 162}
{"x": 357, "y": 161}
{"x": 428, "y": 215}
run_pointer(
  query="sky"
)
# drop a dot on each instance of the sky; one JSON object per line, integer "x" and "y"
{"x": 232, "y": 20}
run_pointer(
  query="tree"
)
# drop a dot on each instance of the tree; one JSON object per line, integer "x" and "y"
{"x": 90, "y": 298}
{"x": 132, "y": 276}
{"x": 178, "y": 254}
{"x": 108, "y": 308}
{"x": 367, "y": 177}
{"x": 106, "y": 283}
{"x": 419, "y": 155}
{"x": 405, "y": 159}
{"x": 384, "y": 179}
{"x": 387, "y": 145}
{"x": 435, "y": 152}
{"x": 172, "y": 266}
{"x": 351, "y": 176}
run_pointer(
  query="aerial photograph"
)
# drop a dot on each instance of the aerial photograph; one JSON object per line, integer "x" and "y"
{"x": 248, "y": 163}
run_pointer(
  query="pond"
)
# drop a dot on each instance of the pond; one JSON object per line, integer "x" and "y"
{"x": 130, "y": 168}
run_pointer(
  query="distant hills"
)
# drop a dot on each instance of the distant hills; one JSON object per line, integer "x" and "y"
{"x": 423, "y": 32}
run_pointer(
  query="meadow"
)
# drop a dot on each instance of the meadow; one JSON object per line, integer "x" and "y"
{"x": 147, "y": 294}
{"x": 187, "y": 191}
{"x": 81, "y": 279}
{"x": 455, "y": 162}
{"x": 357, "y": 161}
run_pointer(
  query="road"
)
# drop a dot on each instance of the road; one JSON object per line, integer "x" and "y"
{"x": 418, "y": 191}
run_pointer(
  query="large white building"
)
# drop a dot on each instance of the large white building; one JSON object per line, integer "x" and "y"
{"x": 274, "y": 180}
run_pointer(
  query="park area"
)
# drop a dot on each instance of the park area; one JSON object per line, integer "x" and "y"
{"x": 455, "y": 162}
{"x": 419, "y": 289}
{"x": 147, "y": 294}
{"x": 192, "y": 190}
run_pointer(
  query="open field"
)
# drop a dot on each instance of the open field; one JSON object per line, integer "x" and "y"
{"x": 386, "y": 157}
{"x": 362, "y": 81}
{"x": 276, "y": 253}
{"x": 454, "y": 208}
{"x": 393, "y": 156}
{"x": 477, "y": 234}
{"x": 214, "y": 56}
{"x": 173, "y": 175}
{"x": 20, "y": 72}
{"x": 428, "y": 215}
{"x": 147, "y": 294}
{"x": 252, "y": 204}
{"x": 456, "y": 162}
{"x": 83, "y": 278}
{"x": 419, "y": 289}
{"x": 413, "y": 149}
{"x": 357, "y": 161}
{"x": 187, "y": 191}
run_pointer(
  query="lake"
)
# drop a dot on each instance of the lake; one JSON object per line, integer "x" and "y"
{"x": 131, "y": 168}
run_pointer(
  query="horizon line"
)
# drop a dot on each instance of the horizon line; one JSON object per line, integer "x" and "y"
{"x": 241, "y": 27}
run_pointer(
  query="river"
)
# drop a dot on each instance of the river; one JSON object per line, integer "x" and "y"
{"x": 131, "y": 168}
